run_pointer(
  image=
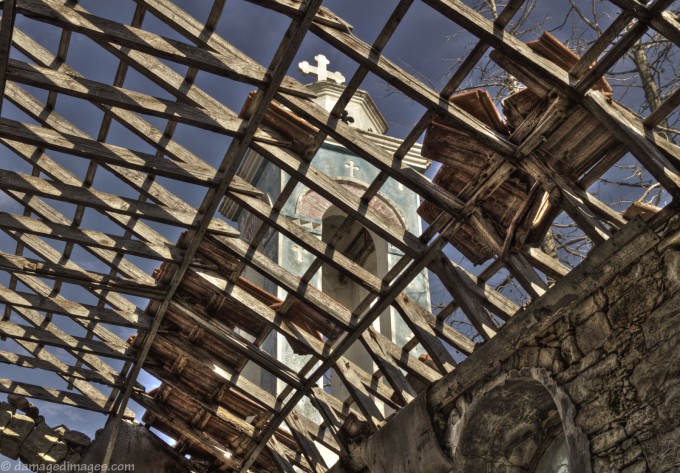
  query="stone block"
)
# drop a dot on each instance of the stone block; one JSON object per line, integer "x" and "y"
{"x": 6, "y": 412}
{"x": 593, "y": 332}
{"x": 635, "y": 302}
{"x": 658, "y": 370}
{"x": 608, "y": 439}
{"x": 597, "y": 414}
{"x": 56, "y": 454}
{"x": 14, "y": 435}
{"x": 597, "y": 302}
{"x": 20, "y": 402}
{"x": 663, "y": 451}
{"x": 671, "y": 260}
{"x": 594, "y": 381}
{"x": 37, "y": 444}
{"x": 637, "y": 467}
{"x": 75, "y": 438}
{"x": 570, "y": 352}
{"x": 640, "y": 420}
{"x": 663, "y": 323}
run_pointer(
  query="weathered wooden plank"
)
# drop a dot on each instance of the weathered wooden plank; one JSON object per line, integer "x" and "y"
{"x": 60, "y": 305}
{"x": 460, "y": 288}
{"x": 167, "y": 417}
{"x": 21, "y": 265}
{"x": 388, "y": 366}
{"x": 241, "y": 345}
{"x": 100, "y": 93}
{"x": 51, "y": 395}
{"x": 254, "y": 308}
{"x": 546, "y": 263}
{"x": 360, "y": 395}
{"x": 308, "y": 448}
{"x": 93, "y": 198}
{"x": 235, "y": 66}
{"x": 86, "y": 237}
{"x": 644, "y": 145}
{"x": 6, "y": 31}
{"x": 102, "y": 152}
{"x": 63, "y": 370}
{"x": 46, "y": 337}
{"x": 38, "y": 320}
{"x": 241, "y": 384}
{"x": 416, "y": 318}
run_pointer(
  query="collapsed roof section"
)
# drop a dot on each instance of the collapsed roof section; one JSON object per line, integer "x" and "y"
{"x": 199, "y": 321}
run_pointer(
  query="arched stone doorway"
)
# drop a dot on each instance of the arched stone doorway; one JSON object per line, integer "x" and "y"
{"x": 522, "y": 422}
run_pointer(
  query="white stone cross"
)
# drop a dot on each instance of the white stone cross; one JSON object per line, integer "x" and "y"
{"x": 320, "y": 70}
{"x": 298, "y": 253}
{"x": 352, "y": 167}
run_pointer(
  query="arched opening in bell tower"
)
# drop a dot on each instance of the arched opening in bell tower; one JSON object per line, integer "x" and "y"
{"x": 369, "y": 251}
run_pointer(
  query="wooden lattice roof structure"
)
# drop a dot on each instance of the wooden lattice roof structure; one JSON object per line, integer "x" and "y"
{"x": 197, "y": 320}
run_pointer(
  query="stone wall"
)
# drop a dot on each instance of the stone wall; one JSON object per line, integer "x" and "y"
{"x": 594, "y": 364}
{"x": 609, "y": 360}
{"x": 25, "y": 435}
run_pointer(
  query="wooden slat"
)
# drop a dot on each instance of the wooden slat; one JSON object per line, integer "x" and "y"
{"x": 100, "y": 93}
{"x": 236, "y": 66}
{"x": 30, "y": 362}
{"x": 51, "y": 395}
{"x": 90, "y": 149}
{"x": 19, "y": 264}
{"x": 416, "y": 318}
{"x": 59, "y": 305}
{"x": 85, "y": 237}
{"x": 47, "y": 337}
{"x": 360, "y": 395}
{"x": 93, "y": 198}
{"x": 459, "y": 287}
{"x": 6, "y": 32}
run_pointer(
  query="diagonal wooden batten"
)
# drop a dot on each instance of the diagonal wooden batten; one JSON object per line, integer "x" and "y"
{"x": 63, "y": 370}
{"x": 60, "y": 305}
{"x": 102, "y": 152}
{"x": 87, "y": 238}
{"x": 235, "y": 66}
{"x": 103, "y": 94}
{"x": 107, "y": 202}
{"x": 46, "y": 337}
{"x": 21, "y": 265}
{"x": 53, "y": 395}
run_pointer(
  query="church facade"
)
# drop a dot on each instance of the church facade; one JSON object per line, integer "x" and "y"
{"x": 394, "y": 202}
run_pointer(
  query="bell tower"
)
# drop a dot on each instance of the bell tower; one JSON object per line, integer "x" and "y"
{"x": 323, "y": 220}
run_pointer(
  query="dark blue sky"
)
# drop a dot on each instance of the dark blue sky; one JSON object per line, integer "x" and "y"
{"x": 425, "y": 43}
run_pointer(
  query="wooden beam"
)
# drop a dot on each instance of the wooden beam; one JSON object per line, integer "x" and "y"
{"x": 103, "y": 94}
{"x": 59, "y": 305}
{"x": 102, "y": 152}
{"x": 46, "y": 337}
{"x": 90, "y": 238}
{"x": 51, "y": 395}
{"x": 235, "y": 66}
{"x": 104, "y": 201}
{"x": 416, "y": 318}
{"x": 63, "y": 370}
{"x": 6, "y": 32}
{"x": 459, "y": 287}
{"x": 643, "y": 144}
{"x": 21, "y": 265}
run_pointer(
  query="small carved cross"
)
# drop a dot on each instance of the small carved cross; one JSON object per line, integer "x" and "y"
{"x": 320, "y": 70}
{"x": 298, "y": 253}
{"x": 352, "y": 167}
